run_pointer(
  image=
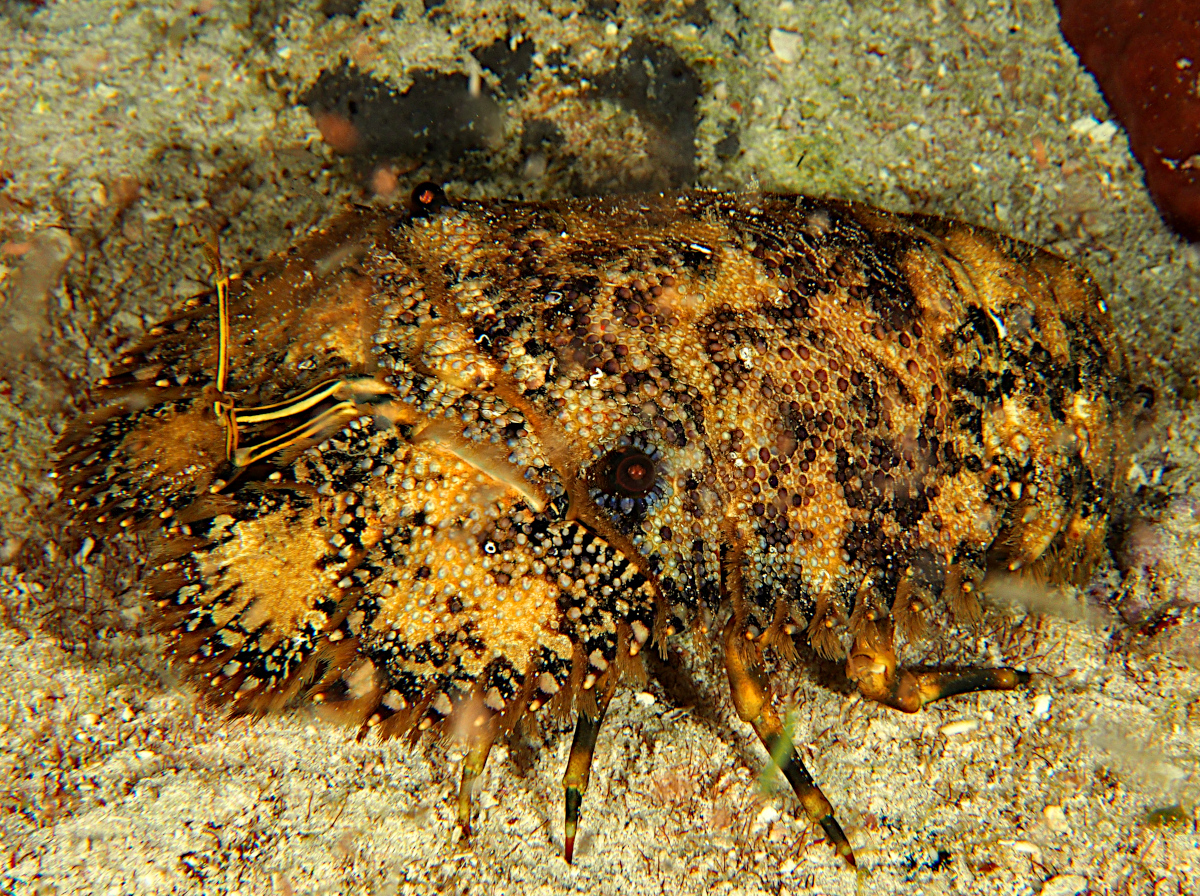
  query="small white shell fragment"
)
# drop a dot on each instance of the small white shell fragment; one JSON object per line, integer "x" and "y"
{"x": 1023, "y": 846}
{"x": 1041, "y": 706}
{"x": 1065, "y": 885}
{"x": 785, "y": 45}
{"x": 644, "y": 698}
{"x": 85, "y": 551}
{"x": 766, "y": 816}
{"x": 1083, "y": 125}
{"x": 1096, "y": 131}
{"x": 962, "y": 726}
{"x": 1056, "y": 819}
{"x": 1103, "y": 132}
{"x": 1136, "y": 474}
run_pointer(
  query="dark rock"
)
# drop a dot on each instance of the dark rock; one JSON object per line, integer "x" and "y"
{"x": 601, "y": 9}
{"x": 696, "y": 13}
{"x": 728, "y": 146}
{"x": 437, "y": 117}
{"x": 657, "y": 83}
{"x": 333, "y": 8}
{"x": 539, "y": 133}
{"x": 509, "y": 64}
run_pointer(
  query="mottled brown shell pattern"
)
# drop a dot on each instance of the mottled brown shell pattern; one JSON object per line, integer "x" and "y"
{"x": 519, "y": 442}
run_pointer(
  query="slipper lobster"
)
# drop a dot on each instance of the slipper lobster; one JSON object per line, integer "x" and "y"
{"x": 443, "y": 468}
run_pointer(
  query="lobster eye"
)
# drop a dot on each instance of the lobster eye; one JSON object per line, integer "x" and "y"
{"x": 631, "y": 473}
{"x": 629, "y": 479}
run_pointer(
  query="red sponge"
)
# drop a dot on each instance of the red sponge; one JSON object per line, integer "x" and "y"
{"x": 1146, "y": 56}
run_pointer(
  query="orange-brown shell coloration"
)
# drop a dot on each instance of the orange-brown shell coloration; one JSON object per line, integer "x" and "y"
{"x": 516, "y": 443}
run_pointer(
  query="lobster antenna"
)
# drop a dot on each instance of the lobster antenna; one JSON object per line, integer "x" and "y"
{"x": 224, "y": 406}
{"x": 212, "y": 251}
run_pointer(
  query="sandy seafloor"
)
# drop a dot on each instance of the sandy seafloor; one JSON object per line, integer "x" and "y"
{"x": 122, "y": 122}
